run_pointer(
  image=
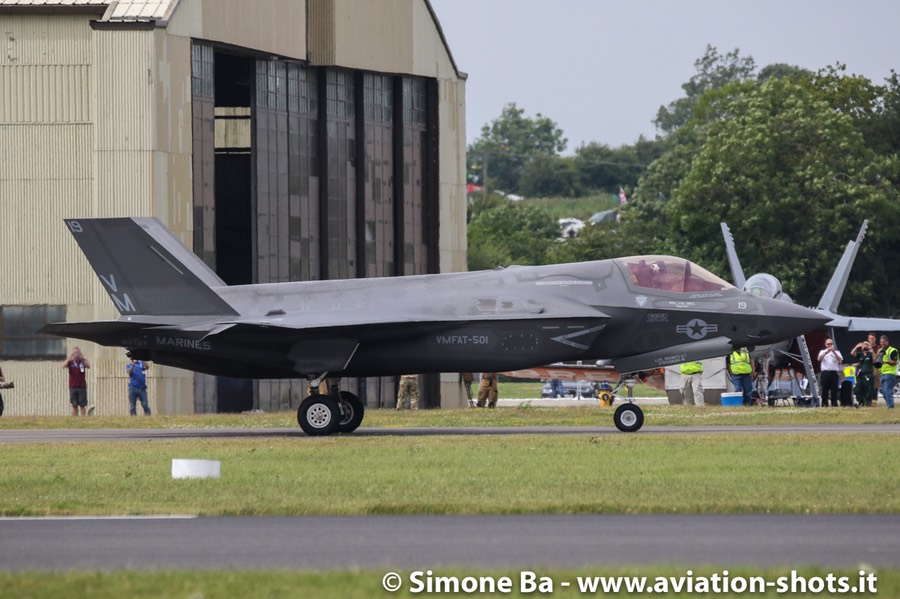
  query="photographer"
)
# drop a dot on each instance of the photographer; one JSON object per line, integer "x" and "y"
{"x": 76, "y": 364}
{"x": 137, "y": 386}
{"x": 830, "y": 359}
{"x": 864, "y": 389}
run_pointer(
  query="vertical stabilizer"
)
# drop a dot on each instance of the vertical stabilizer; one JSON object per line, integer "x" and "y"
{"x": 737, "y": 273}
{"x": 835, "y": 290}
{"x": 146, "y": 270}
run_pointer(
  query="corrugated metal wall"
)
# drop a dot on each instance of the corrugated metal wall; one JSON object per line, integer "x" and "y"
{"x": 42, "y": 389}
{"x": 46, "y": 137}
{"x": 321, "y": 31}
{"x": 78, "y": 139}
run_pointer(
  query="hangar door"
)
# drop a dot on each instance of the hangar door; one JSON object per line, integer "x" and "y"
{"x": 305, "y": 173}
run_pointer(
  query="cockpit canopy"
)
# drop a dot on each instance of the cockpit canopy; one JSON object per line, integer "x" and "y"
{"x": 764, "y": 285}
{"x": 668, "y": 273}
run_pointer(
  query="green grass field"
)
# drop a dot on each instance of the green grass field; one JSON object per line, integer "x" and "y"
{"x": 744, "y": 473}
{"x": 577, "y": 474}
{"x": 363, "y": 584}
{"x": 588, "y": 413}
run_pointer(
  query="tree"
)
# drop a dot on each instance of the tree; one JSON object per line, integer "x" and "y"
{"x": 509, "y": 143}
{"x": 789, "y": 169}
{"x": 779, "y": 70}
{"x": 548, "y": 176}
{"x": 508, "y": 234}
{"x": 713, "y": 71}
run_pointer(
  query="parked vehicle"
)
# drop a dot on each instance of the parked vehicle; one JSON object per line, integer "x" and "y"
{"x": 571, "y": 389}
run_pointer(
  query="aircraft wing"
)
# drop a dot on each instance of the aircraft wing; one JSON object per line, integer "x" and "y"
{"x": 358, "y": 320}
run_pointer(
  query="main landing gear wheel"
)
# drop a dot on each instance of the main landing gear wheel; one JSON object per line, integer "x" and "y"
{"x": 628, "y": 418}
{"x": 319, "y": 415}
{"x": 352, "y": 412}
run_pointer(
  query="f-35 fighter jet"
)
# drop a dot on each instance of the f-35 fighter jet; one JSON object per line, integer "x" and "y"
{"x": 641, "y": 312}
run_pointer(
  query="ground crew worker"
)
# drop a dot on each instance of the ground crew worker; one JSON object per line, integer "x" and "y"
{"x": 408, "y": 388}
{"x": 488, "y": 390}
{"x": 691, "y": 386}
{"x": 887, "y": 355}
{"x": 740, "y": 369}
{"x": 467, "y": 378}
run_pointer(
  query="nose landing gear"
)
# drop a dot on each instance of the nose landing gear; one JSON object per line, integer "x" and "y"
{"x": 628, "y": 418}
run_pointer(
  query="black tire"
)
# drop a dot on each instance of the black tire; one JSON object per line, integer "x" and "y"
{"x": 628, "y": 418}
{"x": 319, "y": 415}
{"x": 352, "y": 412}
{"x": 1, "y": 405}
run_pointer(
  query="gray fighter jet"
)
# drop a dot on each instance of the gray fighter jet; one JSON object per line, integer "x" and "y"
{"x": 641, "y": 312}
{"x": 846, "y": 329}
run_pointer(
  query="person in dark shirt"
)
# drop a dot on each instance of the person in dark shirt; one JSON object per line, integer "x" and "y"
{"x": 77, "y": 364}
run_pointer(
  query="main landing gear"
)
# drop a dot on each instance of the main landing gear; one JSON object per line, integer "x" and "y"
{"x": 323, "y": 414}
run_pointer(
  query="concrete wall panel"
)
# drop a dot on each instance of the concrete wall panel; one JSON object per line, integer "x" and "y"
{"x": 273, "y": 26}
{"x": 452, "y": 117}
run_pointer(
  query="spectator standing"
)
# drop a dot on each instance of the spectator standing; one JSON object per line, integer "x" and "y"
{"x": 556, "y": 388}
{"x": 830, "y": 360}
{"x": 137, "y": 386}
{"x": 77, "y": 364}
{"x": 864, "y": 389}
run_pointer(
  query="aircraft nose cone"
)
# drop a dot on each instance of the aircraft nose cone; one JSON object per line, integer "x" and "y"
{"x": 785, "y": 320}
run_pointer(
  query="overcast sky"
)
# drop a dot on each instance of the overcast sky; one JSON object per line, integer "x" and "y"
{"x": 602, "y": 68}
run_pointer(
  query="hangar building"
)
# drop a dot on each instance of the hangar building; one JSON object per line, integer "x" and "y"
{"x": 282, "y": 140}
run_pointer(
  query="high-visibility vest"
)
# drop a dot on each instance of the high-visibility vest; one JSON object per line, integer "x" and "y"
{"x": 692, "y": 368}
{"x": 885, "y": 367}
{"x": 740, "y": 362}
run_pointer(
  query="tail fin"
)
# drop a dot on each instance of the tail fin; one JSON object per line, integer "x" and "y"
{"x": 146, "y": 270}
{"x": 835, "y": 290}
{"x": 737, "y": 273}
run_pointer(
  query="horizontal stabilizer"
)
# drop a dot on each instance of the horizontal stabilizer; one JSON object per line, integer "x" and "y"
{"x": 876, "y": 325}
{"x": 98, "y": 331}
{"x": 677, "y": 354}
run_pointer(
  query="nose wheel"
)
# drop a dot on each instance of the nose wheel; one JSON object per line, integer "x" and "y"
{"x": 628, "y": 418}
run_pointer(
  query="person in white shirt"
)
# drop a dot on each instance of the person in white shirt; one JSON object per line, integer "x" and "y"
{"x": 830, "y": 360}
